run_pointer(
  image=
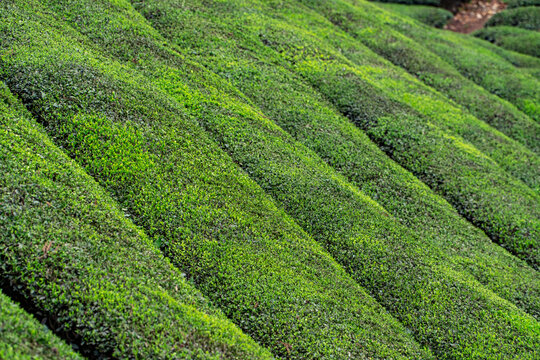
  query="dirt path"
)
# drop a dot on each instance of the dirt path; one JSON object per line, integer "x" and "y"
{"x": 473, "y": 15}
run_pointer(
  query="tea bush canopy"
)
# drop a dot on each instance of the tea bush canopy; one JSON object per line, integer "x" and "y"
{"x": 251, "y": 179}
{"x": 512, "y": 38}
{"x": 428, "y": 15}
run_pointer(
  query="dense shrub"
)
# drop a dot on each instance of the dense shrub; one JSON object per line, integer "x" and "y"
{"x": 72, "y": 255}
{"x": 443, "y": 60}
{"x": 429, "y": 15}
{"x": 512, "y": 38}
{"x": 23, "y": 337}
{"x": 405, "y": 89}
{"x": 134, "y": 122}
{"x": 529, "y": 63}
{"x": 216, "y": 225}
{"x": 527, "y": 17}
{"x": 510, "y": 4}
{"x": 364, "y": 103}
{"x": 418, "y": 145}
{"x": 310, "y": 119}
{"x": 381, "y": 254}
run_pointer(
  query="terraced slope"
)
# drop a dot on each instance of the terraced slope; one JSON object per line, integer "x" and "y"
{"x": 449, "y": 62}
{"x": 515, "y": 28}
{"x": 471, "y": 198}
{"x": 220, "y": 119}
{"x": 312, "y": 121}
{"x": 73, "y": 256}
{"x": 258, "y": 199}
{"x": 215, "y": 224}
{"x": 526, "y": 17}
{"x": 429, "y": 15}
{"x": 452, "y": 175}
{"x": 23, "y": 337}
{"x": 490, "y": 71}
{"x": 512, "y": 38}
{"x": 402, "y": 88}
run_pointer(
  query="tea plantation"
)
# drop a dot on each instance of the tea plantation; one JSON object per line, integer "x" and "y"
{"x": 251, "y": 179}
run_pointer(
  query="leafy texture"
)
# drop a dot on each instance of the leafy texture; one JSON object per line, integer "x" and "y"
{"x": 527, "y": 17}
{"x": 355, "y": 230}
{"x": 512, "y": 38}
{"x": 315, "y": 123}
{"x": 69, "y": 252}
{"x": 215, "y": 224}
{"x": 309, "y": 187}
{"x": 443, "y": 60}
{"x": 408, "y": 144}
{"x": 23, "y": 337}
{"x": 428, "y": 15}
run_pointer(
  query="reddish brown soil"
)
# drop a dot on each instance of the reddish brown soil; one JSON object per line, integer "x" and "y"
{"x": 473, "y": 15}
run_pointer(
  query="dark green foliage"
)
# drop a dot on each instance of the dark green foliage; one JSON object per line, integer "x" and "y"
{"x": 429, "y": 15}
{"x": 527, "y": 17}
{"x": 22, "y": 337}
{"x": 405, "y": 89}
{"x": 454, "y": 175}
{"x": 466, "y": 194}
{"x": 312, "y": 121}
{"x": 528, "y": 63}
{"x": 216, "y": 224}
{"x": 443, "y": 60}
{"x": 512, "y": 38}
{"x": 382, "y": 255}
{"x": 418, "y": 146}
{"x": 510, "y": 4}
{"x": 68, "y": 251}
{"x": 138, "y": 113}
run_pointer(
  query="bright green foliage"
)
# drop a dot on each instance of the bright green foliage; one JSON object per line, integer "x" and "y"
{"x": 429, "y": 15}
{"x": 22, "y": 337}
{"x": 404, "y": 89}
{"x": 527, "y": 17}
{"x": 503, "y": 207}
{"x": 215, "y": 224}
{"x": 453, "y": 174}
{"x": 382, "y": 255}
{"x": 441, "y": 59}
{"x": 512, "y": 38}
{"x": 135, "y": 121}
{"x": 510, "y": 4}
{"x": 67, "y": 250}
{"x": 491, "y": 71}
{"x": 376, "y": 72}
{"x": 312, "y": 121}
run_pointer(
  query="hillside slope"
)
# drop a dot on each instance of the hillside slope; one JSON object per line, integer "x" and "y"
{"x": 315, "y": 199}
{"x": 451, "y": 63}
{"x": 210, "y": 219}
{"x": 512, "y": 38}
{"x": 486, "y": 69}
{"x": 311, "y": 120}
{"x": 71, "y": 255}
{"x": 463, "y": 174}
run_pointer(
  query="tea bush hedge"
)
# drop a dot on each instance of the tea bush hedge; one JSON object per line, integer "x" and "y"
{"x": 512, "y": 38}
{"x": 72, "y": 255}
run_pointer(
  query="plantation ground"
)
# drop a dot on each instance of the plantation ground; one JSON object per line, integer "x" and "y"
{"x": 253, "y": 179}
